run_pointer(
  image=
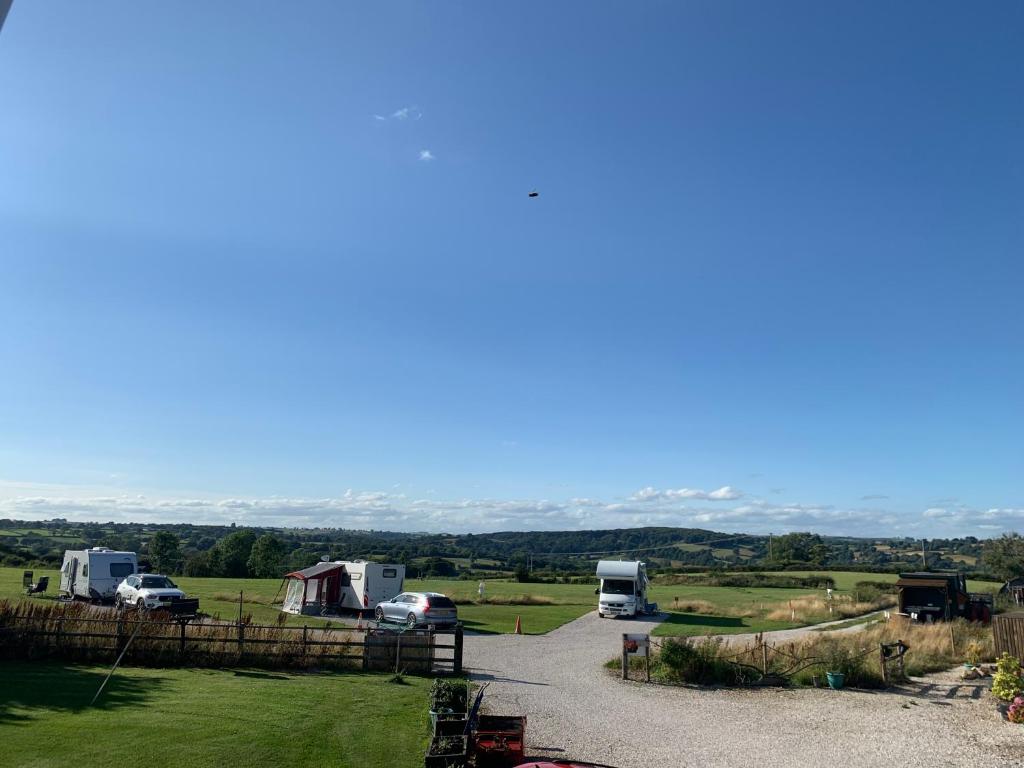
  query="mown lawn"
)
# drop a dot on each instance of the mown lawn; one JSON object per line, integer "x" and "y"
{"x": 177, "y": 718}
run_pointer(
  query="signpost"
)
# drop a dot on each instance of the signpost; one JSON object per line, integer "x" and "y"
{"x": 635, "y": 645}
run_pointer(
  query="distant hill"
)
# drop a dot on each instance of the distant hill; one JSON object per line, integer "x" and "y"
{"x": 548, "y": 553}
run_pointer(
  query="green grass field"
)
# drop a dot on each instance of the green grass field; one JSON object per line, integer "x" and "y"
{"x": 565, "y": 602}
{"x": 178, "y": 718}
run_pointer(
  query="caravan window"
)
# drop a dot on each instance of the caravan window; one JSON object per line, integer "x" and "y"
{"x": 85, "y": 569}
{"x": 120, "y": 570}
{"x": 390, "y": 573}
{"x": 355, "y": 576}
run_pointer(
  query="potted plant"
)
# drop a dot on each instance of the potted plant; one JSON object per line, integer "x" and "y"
{"x": 448, "y": 700}
{"x": 1015, "y": 714}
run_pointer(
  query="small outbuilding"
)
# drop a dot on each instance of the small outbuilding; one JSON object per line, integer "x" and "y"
{"x": 1015, "y": 589}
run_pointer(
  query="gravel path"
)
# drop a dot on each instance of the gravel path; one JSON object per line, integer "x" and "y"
{"x": 578, "y": 709}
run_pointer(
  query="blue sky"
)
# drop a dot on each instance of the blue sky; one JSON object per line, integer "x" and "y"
{"x": 277, "y": 264}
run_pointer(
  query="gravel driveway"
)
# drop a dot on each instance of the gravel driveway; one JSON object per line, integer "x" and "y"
{"x": 578, "y": 709}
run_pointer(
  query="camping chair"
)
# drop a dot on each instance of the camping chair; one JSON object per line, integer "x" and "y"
{"x": 39, "y": 588}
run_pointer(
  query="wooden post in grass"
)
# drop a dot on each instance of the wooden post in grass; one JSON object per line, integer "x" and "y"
{"x": 181, "y": 646}
{"x": 952, "y": 639}
{"x": 625, "y": 658}
{"x": 303, "y": 641}
{"x": 764, "y": 657}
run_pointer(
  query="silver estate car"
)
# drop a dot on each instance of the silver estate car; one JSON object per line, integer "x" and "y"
{"x": 418, "y": 608}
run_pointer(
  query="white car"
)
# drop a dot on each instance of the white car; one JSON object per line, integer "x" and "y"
{"x": 146, "y": 590}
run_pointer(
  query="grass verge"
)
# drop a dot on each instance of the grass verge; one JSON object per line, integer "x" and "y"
{"x": 208, "y": 718}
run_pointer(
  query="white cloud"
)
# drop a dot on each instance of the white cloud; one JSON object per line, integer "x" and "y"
{"x": 725, "y": 493}
{"x": 391, "y": 510}
{"x": 426, "y": 154}
{"x": 402, "y": 114}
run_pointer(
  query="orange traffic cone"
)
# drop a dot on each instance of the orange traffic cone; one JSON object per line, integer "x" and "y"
{"x": 359, "y": 621}
{"x": 519, "y": 625}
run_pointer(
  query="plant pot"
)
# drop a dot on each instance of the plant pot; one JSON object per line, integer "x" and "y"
{"x": 835, "y": 680}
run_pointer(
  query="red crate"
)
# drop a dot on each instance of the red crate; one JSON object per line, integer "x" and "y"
{"x": 498, "y": 741}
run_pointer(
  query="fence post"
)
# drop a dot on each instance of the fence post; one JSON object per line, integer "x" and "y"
{"x": 457, "y": 658}
{"x": 625, "y": 659}
{"x": 60, "y": 632}
{"x": 181, "y": 648}
{"x": 303, "y": 641}
{"x": 366, "y": 651}
{"x": 885, "y": 672}
{"x": 764, "y": 658}
{"x": 398, "y": 651}
{"x": 241, "y": 639}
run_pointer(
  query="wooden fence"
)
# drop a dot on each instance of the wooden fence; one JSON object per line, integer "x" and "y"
{"x": 155, "y": 641}
{"x": 1008, "y": 633}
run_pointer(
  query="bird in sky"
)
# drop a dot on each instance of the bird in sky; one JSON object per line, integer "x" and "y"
{"x": 534, "y": 193}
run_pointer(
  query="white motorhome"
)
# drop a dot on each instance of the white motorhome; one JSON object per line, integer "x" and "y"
{"x": 93, "y": 574}
{"x": 623, "y": 590}
{"x": 355, "y": 585}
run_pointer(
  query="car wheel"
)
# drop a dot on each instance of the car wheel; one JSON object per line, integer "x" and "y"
{"x": 600, "y": 615}
{"x": 118, "y": 602}
{"x": 141, "y": 604}
{"x": 411, "y": 621}
{"x": 380, "y": 614}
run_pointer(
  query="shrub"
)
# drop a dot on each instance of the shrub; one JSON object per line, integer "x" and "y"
{"x": 1006, "y": 682}
{"x": 1015, "y": 714}
{"x": 699, "y": 661}
{"x": 448, "y": 695}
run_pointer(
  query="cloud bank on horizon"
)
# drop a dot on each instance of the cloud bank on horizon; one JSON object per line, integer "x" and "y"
{"x": 724, "y": 509}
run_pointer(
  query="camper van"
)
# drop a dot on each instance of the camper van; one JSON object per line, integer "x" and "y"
{"x": 623, "y": 590}
{"x": 93, "y": 574}
{"x": 355, "y": 585}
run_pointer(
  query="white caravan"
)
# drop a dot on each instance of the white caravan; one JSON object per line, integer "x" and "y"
{"x": 368, "y": 584}
{"x": 356, "y": 585}
{"x": 93, "y": 574}
{"x": 623, "y": 590}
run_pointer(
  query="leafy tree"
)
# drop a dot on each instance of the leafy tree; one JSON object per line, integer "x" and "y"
{"x": 198, "y": 565}
{"x": 1005, "y": 556}
{"x": 265, "y": 557}
{"x": 231, "y": 555}
{"x": 165, "y": 552}
{"x": 800, "y": 548}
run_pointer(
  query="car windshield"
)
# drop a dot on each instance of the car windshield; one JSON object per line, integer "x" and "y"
{"x": 617, "y": 587}
{"x": 157, "y": 582}
{"x": 440, "y": 601}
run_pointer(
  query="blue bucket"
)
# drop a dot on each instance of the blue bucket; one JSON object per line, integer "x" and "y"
{"x": 835, "y": 680}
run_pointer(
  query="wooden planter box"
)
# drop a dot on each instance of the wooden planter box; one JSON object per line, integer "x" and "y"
{"x": 453, "y": 727}
{"x": 453, "y": 757}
